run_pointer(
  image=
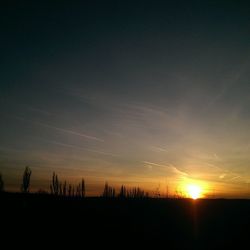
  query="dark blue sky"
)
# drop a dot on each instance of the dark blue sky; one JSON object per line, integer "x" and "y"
{"x": 142, "y": 93}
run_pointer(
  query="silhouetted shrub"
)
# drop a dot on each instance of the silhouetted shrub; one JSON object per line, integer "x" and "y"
{"x": 42, "y": 191}
{"x": 26, "y": 180}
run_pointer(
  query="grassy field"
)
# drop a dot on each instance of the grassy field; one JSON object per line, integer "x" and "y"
{"x": 176, "y": 223}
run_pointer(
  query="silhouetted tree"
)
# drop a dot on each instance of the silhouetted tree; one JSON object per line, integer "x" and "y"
{"x": 60, "y": 189}
{"x": 26, "y": 180}
{"x": 167, "y": 192}
{"x": 123, "y": 192}
{"x": 157, "y": 193}
{"x": 179, "y": 194}
{"x": 136, "y": 192}
{"x": 108, "y": 191}
{"x": 55, "y": 186}
{"x": 65, "y": 189}
{"x": 1, "y": 183}
{"x": 83, "y": 188}
{"x": 105, "y": 191}
{"x": 69, "y": 190}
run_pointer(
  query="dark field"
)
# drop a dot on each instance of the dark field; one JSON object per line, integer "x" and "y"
{"x": 182, "y": 223}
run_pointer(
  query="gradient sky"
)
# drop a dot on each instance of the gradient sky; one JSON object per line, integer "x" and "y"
{"x": 152, "y": 93}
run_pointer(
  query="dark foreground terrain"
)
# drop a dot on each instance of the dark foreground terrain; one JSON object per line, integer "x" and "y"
{"x": 171, "y": 223}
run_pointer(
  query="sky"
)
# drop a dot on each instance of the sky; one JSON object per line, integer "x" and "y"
{"x": 142, "y": 93}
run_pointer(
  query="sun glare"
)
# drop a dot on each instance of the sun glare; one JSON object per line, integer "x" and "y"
{"x": 194, "y": 191}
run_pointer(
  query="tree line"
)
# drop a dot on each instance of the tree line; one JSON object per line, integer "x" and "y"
{"x": 63, "y": 188}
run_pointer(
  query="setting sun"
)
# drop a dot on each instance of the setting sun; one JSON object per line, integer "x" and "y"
{"x": 194, "y": 191}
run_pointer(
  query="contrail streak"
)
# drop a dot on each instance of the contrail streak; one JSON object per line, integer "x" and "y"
{"x": 77, "y": 147}
{"x": 62, "y": 130}
{"x": 175, "y": 170}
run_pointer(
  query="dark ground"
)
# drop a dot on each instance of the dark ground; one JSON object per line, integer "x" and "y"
{"x": 171, "y": 223}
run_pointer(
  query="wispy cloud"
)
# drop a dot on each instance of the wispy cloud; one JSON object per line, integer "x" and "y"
{"x": 177, "y": 171}
{"x": 235, "y": 177}
{"x": 158, "y": 149}
{"x": 44, "y": 112}
{"x": 234, "y": 78}
{"x": 222, "y": 176}
{"x": 156, "y": 164}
